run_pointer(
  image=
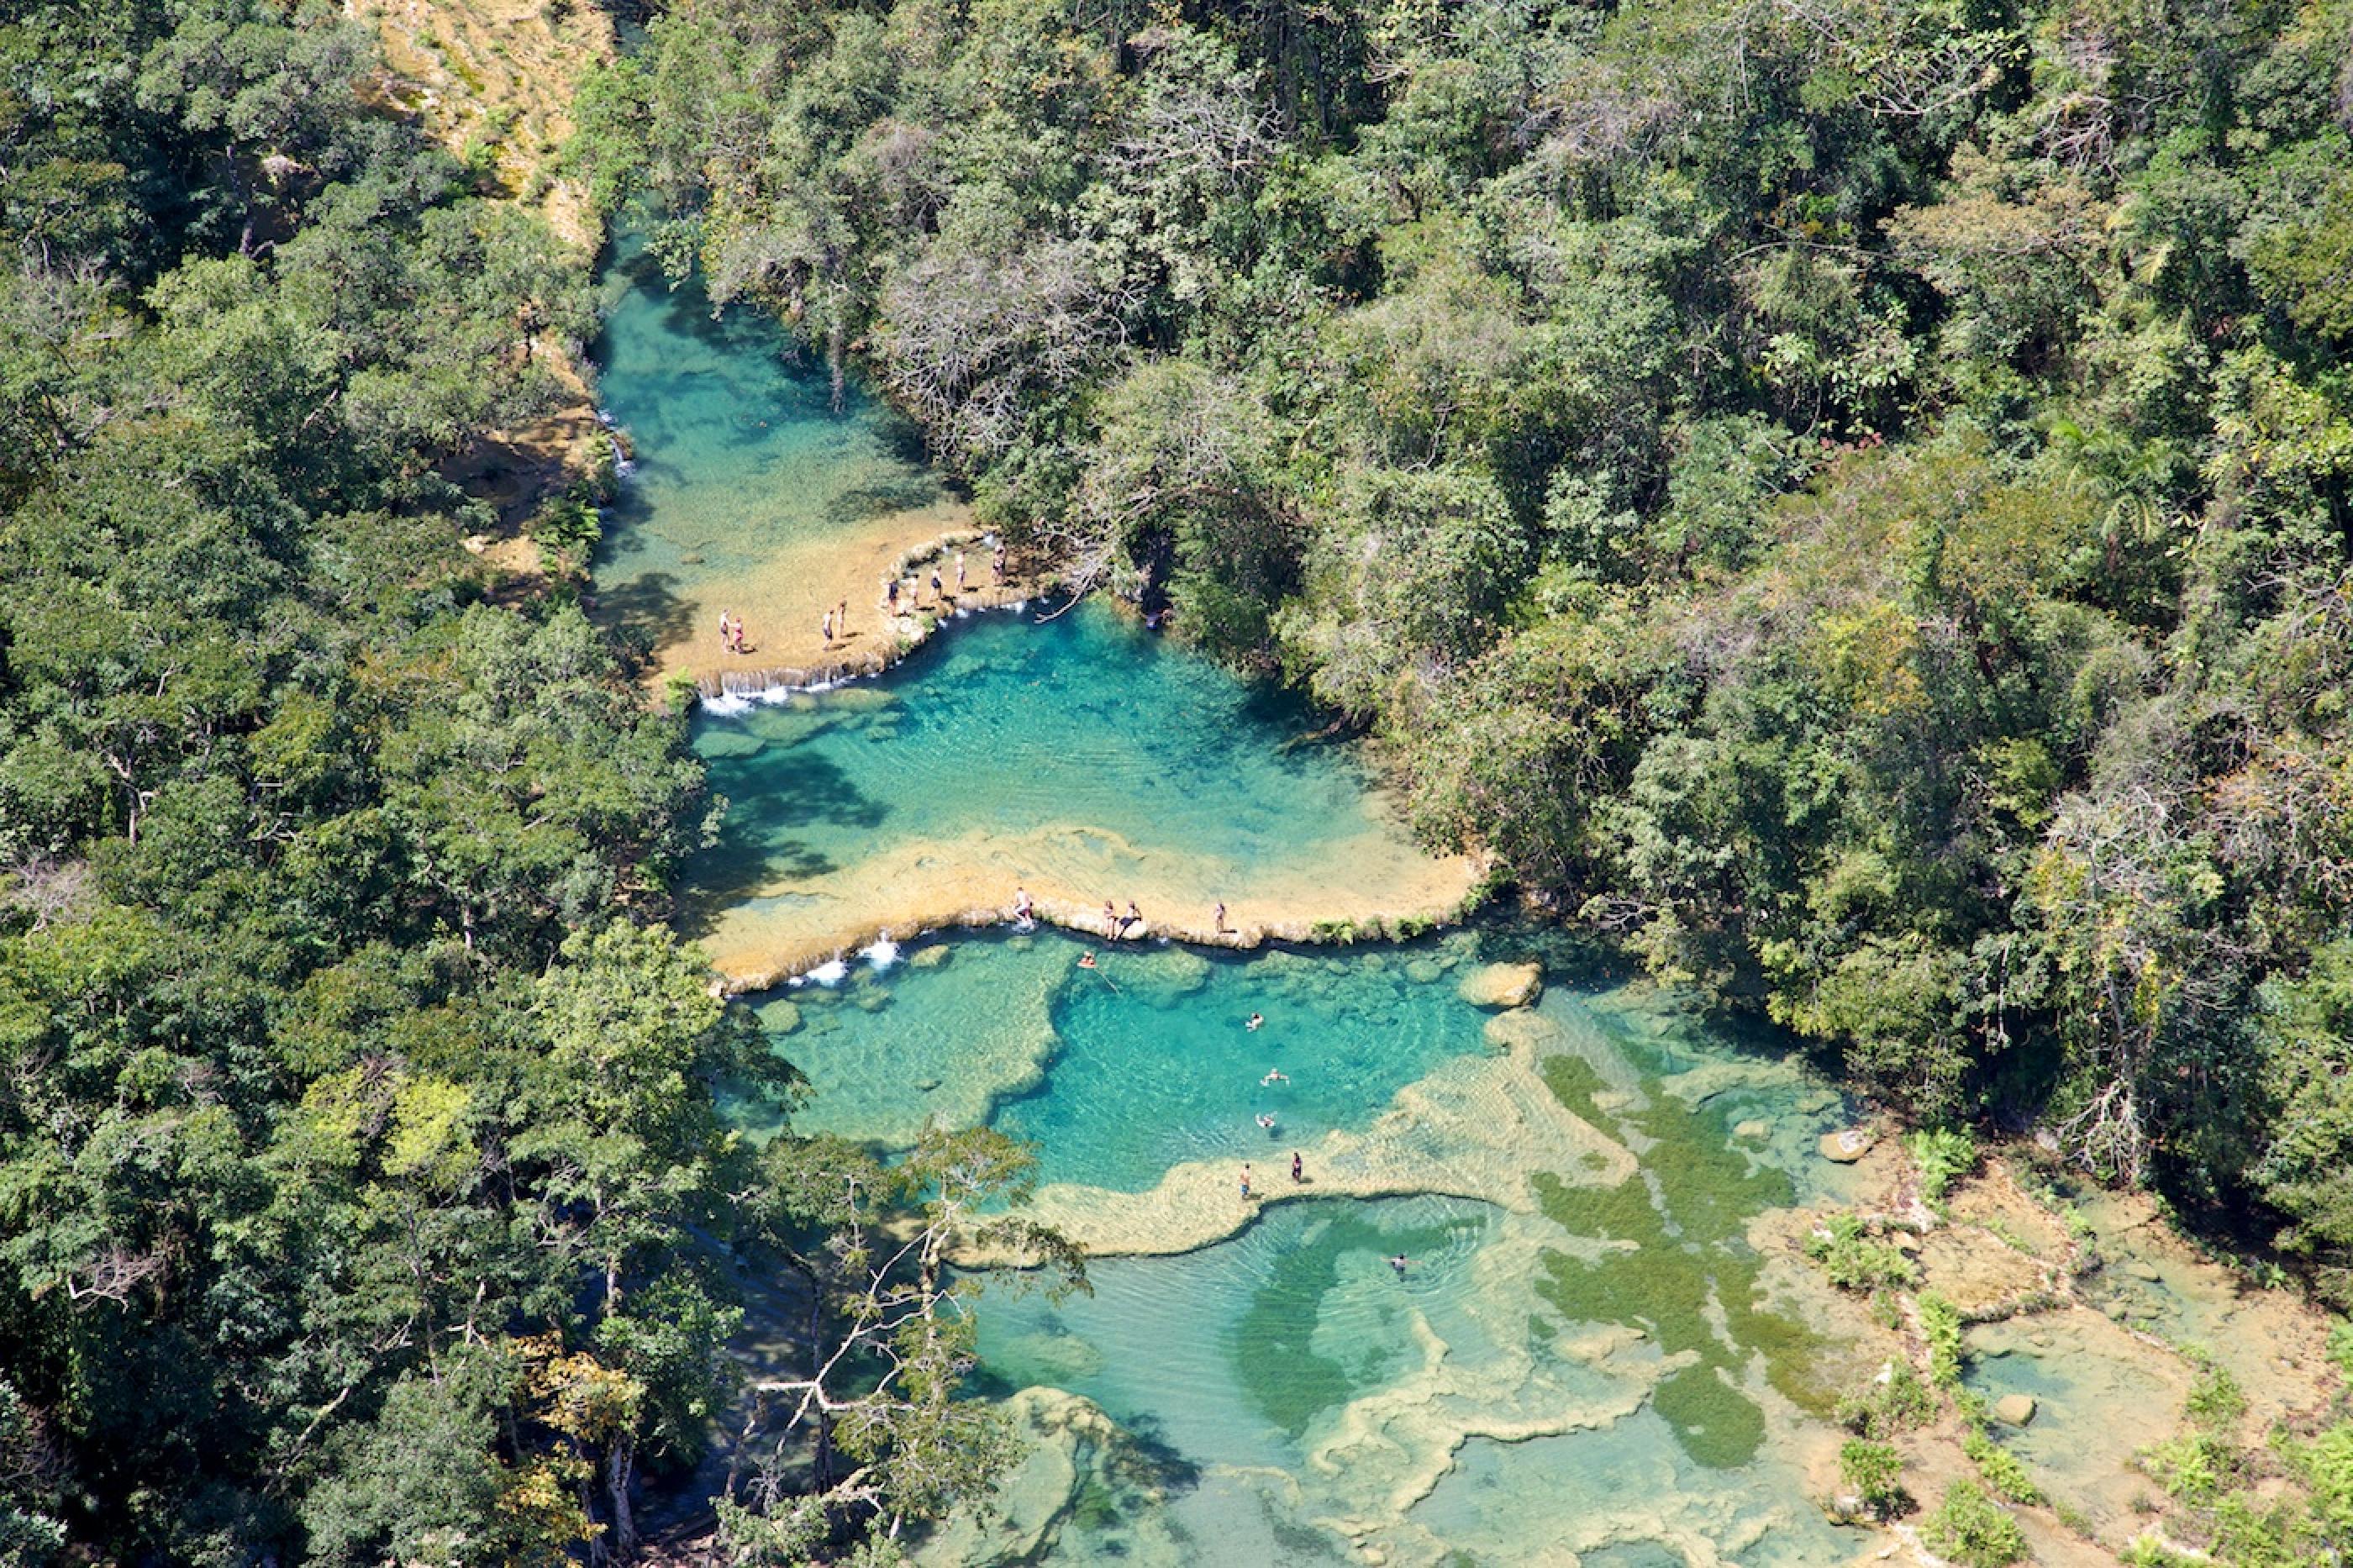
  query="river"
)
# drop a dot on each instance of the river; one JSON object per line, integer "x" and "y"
{"x": 1587, "y": 1356}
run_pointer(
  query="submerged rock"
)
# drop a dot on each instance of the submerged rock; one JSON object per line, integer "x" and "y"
{"x": 1753, "y": 1127}
{"x": 1522, "y": 1028}
{"x": 1502, "y": 985}
{"x": 929, "y": 957}
{"x": 2014, "y": 1409}
{"x": 1425, "y": 971}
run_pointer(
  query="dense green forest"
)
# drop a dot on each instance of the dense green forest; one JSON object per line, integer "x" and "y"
{"x": 1850, "y": 499}
{"x": 363, "y": 1193}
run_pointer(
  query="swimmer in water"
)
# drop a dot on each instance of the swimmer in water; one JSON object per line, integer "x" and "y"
{"x": 1266, "y": 1122}
{"x": 1086, "y": 960}
{"x": 1400, "y": 1262}
{"x": 1275, "y": 1075}
{"x": 1255, "y": 1020}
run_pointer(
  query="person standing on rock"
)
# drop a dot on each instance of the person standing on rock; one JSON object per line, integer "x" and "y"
{"x": 1246, "y": 1192}
{"x": 938, "y": 597}
{"x": 997, "y": 566}
{"x": 890, "y": 595}
{"x": 841, "y": 619}
{"x": 1218, "y": 922}
{"x": 1298, "y": 1169}
{"x": 828, "y": 628}
{"x": 959, "y": 571}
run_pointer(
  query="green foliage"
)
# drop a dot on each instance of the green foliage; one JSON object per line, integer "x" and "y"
{"x": 1853, "y": 1259}
{"x": 568, "y": 525}
{"x": 1853, "y": 517}
{"x": 1970, "y": 1528}
{"x": 2216, "y": 1401}
{"x": 2003, "y": 1469}
{"x": 1874, "y": 1473}
{"x": 1940, "y": 1324}
{"x": 364, "y": 1195}
{"x": 1944, "y": 1155}
{"x": 1896, "y": 1401}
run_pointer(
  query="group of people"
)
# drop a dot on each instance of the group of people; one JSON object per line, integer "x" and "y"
{"x": 889, "y": 600}
{"x": 835, "y": 626}
{"x": 1117, "y": 925}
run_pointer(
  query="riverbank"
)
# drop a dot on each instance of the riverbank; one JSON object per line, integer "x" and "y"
{"x": 784, "y": 609}
{"x": 791, "y": 925}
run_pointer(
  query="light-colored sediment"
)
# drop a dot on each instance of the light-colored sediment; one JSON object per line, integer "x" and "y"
{"x": 1476, "y": 1128}
{"x": 782, "y": 604}
{"x": 795, "y": 922}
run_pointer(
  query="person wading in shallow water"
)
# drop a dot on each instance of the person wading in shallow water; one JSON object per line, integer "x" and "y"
{"x": 1245, "y": 1184}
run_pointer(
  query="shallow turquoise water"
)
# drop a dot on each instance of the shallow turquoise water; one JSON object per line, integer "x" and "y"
{"x": 1147, "y": 1058}
{"x": 1293, "y": 1350}
{"x": 741, "y": 453}
{"x": 1087, "y": 729}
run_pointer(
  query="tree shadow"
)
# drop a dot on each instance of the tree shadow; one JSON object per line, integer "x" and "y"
{"x": 770, "y": 810}
{"x": 863, "y": 502}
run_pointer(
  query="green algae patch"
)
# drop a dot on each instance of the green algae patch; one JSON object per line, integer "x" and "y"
{"x": 1679, "y": 1264}
{"x": 1284, "y": 1377}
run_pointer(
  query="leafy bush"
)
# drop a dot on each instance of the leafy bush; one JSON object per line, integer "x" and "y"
{"x": 2195, "y": 1468}
{"x": 1897, "y": 1401}
{"x": 2002, "y": 1469}
{"x": 1944, "y": 1154}
{"x": 1853, "y": 1259}
{"x": 2216, "y": 1400}
{"x": 1940, "y": 1323}
{"x": 569, "y": 526}
{"x": 1874, "y": 1473}
{"x": 1971, "y": 1529}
